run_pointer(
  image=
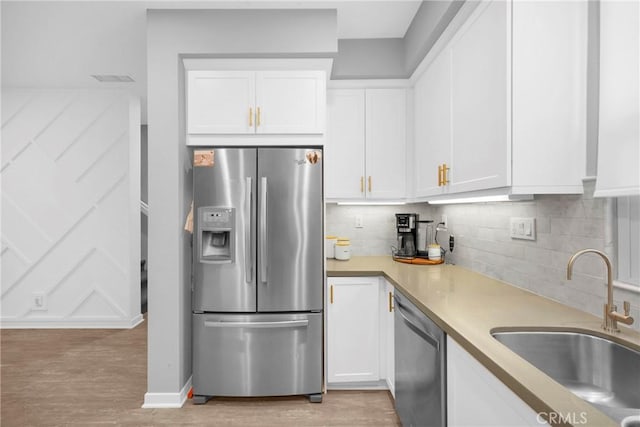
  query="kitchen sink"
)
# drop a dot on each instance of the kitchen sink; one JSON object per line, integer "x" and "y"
{"x": 602, "y": 372}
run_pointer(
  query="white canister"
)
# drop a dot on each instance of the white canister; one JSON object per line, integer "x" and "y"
{"x": 329, "y": 243}
{"x": 343, "y": 250}
{"x": 435, "y": 252}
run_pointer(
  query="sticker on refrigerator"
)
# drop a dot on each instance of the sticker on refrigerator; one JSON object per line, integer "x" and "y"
{"x": 203, "y": 158}
{"x": 313, "y": 156}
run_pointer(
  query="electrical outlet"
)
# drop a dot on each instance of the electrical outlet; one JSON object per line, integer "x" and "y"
{"x": 444, "y": 222}
{"x": 359, "y": 222}
{"x": 39, "y": 301}
{"x": 523, "y": 228}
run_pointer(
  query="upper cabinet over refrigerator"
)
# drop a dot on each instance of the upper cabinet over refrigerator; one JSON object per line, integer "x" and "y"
{"x": 256, "y": 102}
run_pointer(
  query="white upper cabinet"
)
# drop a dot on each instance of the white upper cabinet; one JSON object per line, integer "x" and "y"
{"x": 344, "y": 149}
{"x": 501, "y": 104}
{"x": 549, "y": 96}
{"x": 385, "y": 153}
{"x": 256, "y": 102}
{"x": 291, "y": 102}
{"x": 479, "y": 104}
{"x": 221, "y": 102}
{"x": 432, "y": 126}
{"x": 365, "y": 151}
{"x": 619, "y": 127}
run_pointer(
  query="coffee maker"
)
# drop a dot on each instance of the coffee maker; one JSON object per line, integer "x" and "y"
{"x": 406, "y": 224}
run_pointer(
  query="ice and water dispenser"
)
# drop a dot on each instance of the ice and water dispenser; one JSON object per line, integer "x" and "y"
{"x": 216, "y": 231}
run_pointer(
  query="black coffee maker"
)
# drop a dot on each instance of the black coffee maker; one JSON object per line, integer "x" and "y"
{"x": 406, "y": 226}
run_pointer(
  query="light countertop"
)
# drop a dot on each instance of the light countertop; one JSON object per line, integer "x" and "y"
{"x": 468, "y": 306}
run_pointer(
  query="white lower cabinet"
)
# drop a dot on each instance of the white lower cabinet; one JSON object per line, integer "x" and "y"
{"x": 360, "y": 344}
{"x": 387, "y": 348}
{"x": 475, "y": 397}
{"x": 353, "y": 329}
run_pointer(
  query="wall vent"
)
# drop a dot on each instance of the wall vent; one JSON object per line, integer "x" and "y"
{"x": 112, "y": 78}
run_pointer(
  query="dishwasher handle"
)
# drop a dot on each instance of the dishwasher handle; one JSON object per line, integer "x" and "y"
{"x": 433, "y": 341}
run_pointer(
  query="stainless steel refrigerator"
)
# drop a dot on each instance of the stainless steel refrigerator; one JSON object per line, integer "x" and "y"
{"x": 258, "y": 272}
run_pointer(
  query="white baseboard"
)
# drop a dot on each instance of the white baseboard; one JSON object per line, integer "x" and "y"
{"x": 54, "y": 323}
{"x": 359, "y": 385}
{"x": 167, "y": 400}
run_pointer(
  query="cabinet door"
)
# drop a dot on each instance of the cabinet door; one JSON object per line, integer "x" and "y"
{"x": 389, "y": 349}
{"x": 475, "y": 397}
{"x": 353, "y": 330}
{"x": 480, "y": 150}
{"x": 220, "y": 102}
{"x": 386, "y": 143}
{"x": 549, "y": 95}
{"x": 432, "y": 124}
{"x": 619, "y": 128}
{"x": 290, "y": 102}
{"x": 344, "y": 146}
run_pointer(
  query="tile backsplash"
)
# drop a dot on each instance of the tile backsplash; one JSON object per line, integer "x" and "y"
{"x": 564, "y": 225}
{"x": 378, "y": 233}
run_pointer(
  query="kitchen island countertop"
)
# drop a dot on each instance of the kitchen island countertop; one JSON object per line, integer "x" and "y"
{"x": 468, "y": 306}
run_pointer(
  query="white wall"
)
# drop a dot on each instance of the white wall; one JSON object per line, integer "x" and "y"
{"x": 170, "y": 34}
{"x": 70, "y": 210}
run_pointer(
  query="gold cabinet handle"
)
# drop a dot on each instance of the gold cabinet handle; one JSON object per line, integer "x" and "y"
{"x": 250, "y": 117}
{"x": 258, "y": 116}
{"x": 362, "y": 184}
{"x": 331, "y": 294}
{"x": 439, "y": 175}
{"x": 445, "y": 181}
{"x": 390, "y": 302}
{"x": 370, "y": 184}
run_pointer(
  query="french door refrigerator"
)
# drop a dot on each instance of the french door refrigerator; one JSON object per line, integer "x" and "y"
{"x": 258, "y": 272}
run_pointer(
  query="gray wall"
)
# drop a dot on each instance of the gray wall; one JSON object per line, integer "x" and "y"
{"x": 369, "y": 59}
{"x": 395, "y": 58}
{"x": 171, "y": 33}
{"x": 425, "y": 29}
{"x": 144, "y": 190}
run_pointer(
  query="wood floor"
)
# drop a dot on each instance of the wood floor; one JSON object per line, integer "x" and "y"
{"x": 87, "y": 377}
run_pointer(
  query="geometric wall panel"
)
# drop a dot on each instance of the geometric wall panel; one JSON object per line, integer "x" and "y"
{"x": 70, "y": 226}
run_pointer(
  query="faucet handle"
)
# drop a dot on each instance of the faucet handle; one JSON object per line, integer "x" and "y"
{"x": 627, "y": 308}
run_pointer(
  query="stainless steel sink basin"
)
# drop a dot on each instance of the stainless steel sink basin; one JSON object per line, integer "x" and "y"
{"x": 602, "y": 372}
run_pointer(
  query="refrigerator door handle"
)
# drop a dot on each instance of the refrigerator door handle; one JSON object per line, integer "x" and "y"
{"x": 263, "y": 230}
{"x": 248, "y": 265}
{"x": 258, "y": 325}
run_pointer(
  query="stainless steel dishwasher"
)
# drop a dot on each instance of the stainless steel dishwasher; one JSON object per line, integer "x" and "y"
{"x": 420, "y": 359}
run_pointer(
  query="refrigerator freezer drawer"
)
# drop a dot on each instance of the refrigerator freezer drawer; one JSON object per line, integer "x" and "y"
{"x": 257, "y": 354}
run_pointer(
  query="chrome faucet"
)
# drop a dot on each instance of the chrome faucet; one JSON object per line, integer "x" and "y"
{"x": 610, "y": 316}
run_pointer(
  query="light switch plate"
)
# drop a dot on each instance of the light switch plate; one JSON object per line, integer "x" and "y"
{"x": 523, "y": 228}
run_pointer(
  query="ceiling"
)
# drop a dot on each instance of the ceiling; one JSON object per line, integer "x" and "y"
{"x": 60, "y": 44}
